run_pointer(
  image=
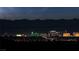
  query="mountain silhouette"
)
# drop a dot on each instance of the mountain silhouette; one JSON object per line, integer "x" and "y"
{"x": 26, "y": 25}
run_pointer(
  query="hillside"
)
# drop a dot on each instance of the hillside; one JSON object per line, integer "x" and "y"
{"x": 38, "y": 25}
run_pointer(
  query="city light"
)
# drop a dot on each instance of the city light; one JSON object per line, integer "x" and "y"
{"x": 76, "y": 34}
{"x": 55, "y": 35}
{"x": 66, "y": 34}
{"x": 18, "y": 35}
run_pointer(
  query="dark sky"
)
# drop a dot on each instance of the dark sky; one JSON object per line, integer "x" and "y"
{"x": 39, "y": 12}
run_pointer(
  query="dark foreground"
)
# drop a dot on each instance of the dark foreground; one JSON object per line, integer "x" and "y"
{"x": 11, "y": 45}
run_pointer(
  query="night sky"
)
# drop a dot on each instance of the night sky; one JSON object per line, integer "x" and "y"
{"x": 39, "y": 12}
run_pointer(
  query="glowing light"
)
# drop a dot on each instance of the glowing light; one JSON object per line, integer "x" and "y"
{"x": 76, "y": 34}
{"x": 34, "y": 34}
{"x": 18, "y": 35}
{"x": 66, "y": 35}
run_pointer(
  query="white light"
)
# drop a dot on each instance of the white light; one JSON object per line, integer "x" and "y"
{"x": 18, "y": 35}
{"x": 52, "y": 31}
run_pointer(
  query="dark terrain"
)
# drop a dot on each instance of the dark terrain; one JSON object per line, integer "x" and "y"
{"x": 38, "y": 25}
{"x": 11, "y": 45}
{"x": 25, "y": 25}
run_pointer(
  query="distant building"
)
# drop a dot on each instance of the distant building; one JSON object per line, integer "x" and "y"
{"x": 76, "y": 34}
{"x": 34, "y": 34}
{"x": 54, "y": 33}
{"x": 21, "y": 35}
{"x": 65, "y": 34}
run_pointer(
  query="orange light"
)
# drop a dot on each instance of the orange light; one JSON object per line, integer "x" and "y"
{"x": 66, "y": 34}
{"x": 76, "y": 34}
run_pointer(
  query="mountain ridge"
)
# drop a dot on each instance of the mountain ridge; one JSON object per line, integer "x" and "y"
{"x": 38, "y": 25}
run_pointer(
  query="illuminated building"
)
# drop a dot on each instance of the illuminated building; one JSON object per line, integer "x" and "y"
{"x": 66, "y": 34}
{"x": 76, "y": 34}
{"x": 21, "y": 35}
{"x": 54, "y": 33}
{"x": 18, "y": 35}
{"x": 34, "y": 34}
